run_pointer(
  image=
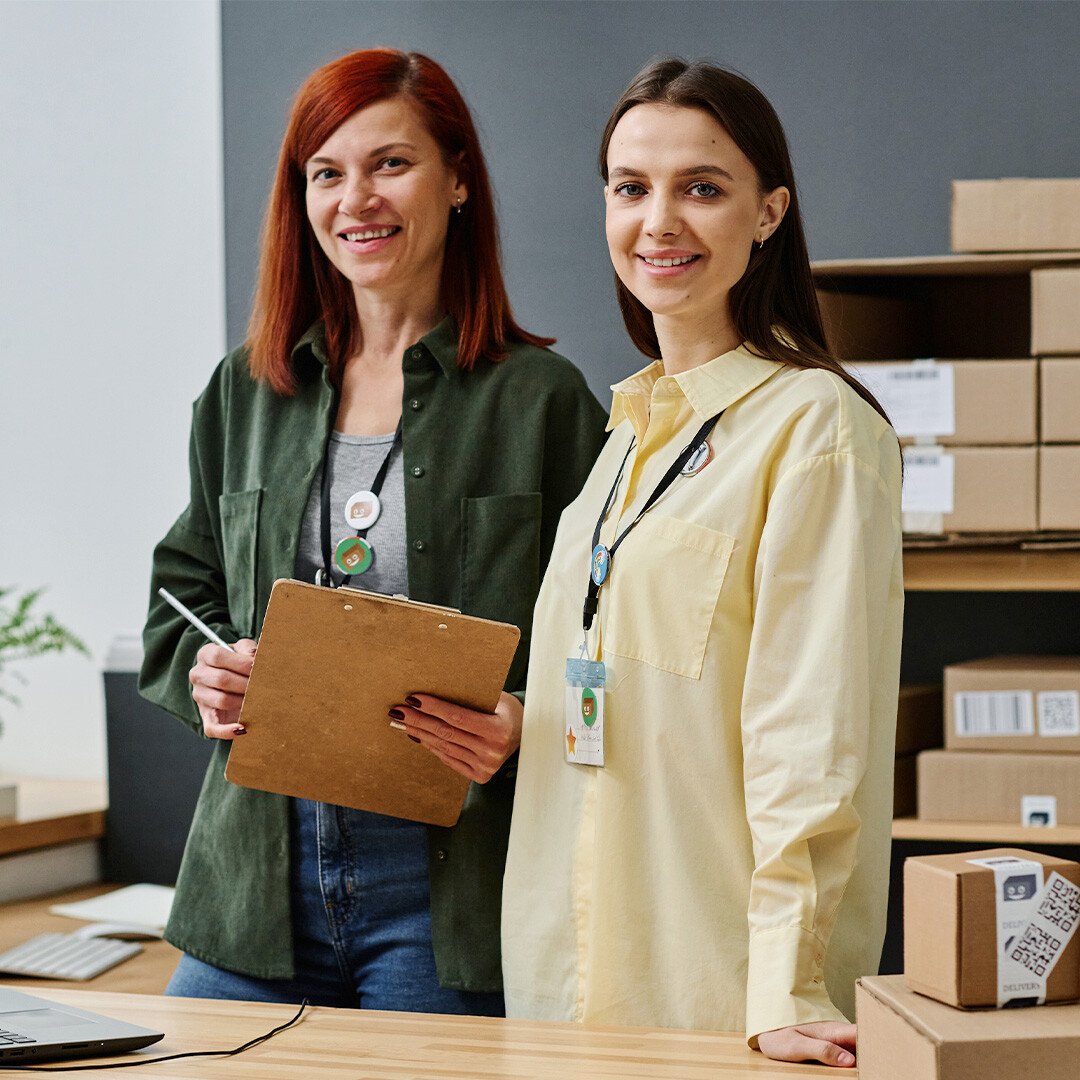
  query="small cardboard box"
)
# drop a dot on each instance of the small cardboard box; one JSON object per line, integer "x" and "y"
{"x": 958, "y": 402}
{"x": 976, "y": 927}
{"x": 1015, "y": 215}
{"x": 1059, "y": 399}
{"x": 1059, "y": 487}
{"x": 976, "y": 489}
{"x": 1014, "y": 703}
{"x": 991, "y": 785}
{"x": 951, "y": 306}
{"x": 918, "y": 718}
{"x": 905, "y": 1036}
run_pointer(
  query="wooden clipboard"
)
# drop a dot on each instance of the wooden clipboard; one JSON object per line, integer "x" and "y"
{"x": 330, "y": 664}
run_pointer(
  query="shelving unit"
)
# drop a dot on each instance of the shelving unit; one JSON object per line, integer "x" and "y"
{"x": 52, "y": 812}
{"x": 990, "y": 570}
{"x": 981, "y": 832}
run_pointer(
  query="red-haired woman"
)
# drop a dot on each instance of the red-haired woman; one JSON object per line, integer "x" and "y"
{"x": 382, "y": 356}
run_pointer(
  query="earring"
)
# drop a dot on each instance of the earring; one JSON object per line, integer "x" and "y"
{"x": 761, "y": 243}
{"x": 457, "y": 205}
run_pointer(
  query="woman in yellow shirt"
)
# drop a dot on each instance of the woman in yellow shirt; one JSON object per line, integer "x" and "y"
{"x": 701, "y": 829}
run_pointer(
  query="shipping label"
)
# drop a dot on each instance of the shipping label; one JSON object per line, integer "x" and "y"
{"x": 993, "y": 712}
{"x": 919, "y": 396}
{"x": 1059, "y": 712}
{"x": 929, "y": 481}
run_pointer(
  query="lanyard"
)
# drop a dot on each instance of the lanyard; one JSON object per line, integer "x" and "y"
{"x": 324, "y": 494}
{"x": 603, "y": 558}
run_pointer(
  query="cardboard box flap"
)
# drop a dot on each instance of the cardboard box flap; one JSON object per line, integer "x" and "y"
{"x": 944, "y": 1024}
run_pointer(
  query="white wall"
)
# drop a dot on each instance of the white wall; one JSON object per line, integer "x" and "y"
{"x": 111, "y": 318}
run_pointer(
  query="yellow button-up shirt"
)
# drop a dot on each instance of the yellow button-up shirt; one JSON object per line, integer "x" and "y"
{"x": 728, "y": 867}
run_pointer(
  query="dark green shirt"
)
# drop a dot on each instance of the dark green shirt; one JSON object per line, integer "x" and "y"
{"x": 491, "y": 458}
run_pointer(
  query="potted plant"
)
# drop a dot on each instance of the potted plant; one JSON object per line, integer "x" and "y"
{"x": 25, "y": 633}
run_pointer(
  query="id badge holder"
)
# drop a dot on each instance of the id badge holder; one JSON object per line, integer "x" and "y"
{"x": 583, "y": 723}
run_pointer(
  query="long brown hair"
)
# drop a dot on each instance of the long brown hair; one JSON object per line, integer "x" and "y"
{"x": 774, "y": 305}
{"x": 297, "y": 284}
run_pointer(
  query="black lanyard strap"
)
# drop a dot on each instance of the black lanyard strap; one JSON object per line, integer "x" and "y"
{"x": 592, "y": 599}
{"x": 324, "y": 498}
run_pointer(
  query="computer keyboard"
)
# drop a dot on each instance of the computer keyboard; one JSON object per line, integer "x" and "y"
{"x": 65, "y": 956}
{"x": 11, "y": 1038}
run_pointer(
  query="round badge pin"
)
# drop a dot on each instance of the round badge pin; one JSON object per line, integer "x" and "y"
{"x": 353, "y": 555}
{"x": 698, "y": 459}
{"x": 362, "y": 510}
{"x": 601, "y": 561}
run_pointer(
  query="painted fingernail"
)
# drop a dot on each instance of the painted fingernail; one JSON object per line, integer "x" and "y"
{"x": 413, "y": 702}
{"x": 239, "y": 730}
{"x": 396, "y": 714}
{"x": 414, "y": 738}
{"x": 397, "y": 725}
{"x": 844, "y": 1058}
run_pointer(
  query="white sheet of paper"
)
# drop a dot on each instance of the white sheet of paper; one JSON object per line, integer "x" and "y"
{"x": 929, "y": 481}
{"x": 134, "y": 905}
{"x": 918, "y": 395}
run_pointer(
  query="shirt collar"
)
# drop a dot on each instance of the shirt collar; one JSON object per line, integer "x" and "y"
{"x": 709, "y": 388}
{"x": 441, "y": 342}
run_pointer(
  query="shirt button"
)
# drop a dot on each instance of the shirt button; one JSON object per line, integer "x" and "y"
{"x": 441, "y": 855}
{"x": 416, "y": 404}
{"x": 418, "y": 470}
{"x": 419, "y": 545}
{"x": 417, "y": 354}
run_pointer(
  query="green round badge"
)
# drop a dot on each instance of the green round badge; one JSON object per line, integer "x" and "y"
{"x": 588, "y": 707}
{"x": 353, "y": 555}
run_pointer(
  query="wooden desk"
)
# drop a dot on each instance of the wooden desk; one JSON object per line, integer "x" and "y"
{"x": 146, "y": 973}
{"x": 347, "y": 1044}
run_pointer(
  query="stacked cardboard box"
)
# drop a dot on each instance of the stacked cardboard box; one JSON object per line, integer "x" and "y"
{"x": 971, "y": 414}
{"x": 988, "y": 930}
{"x": 918, "y": 728}
{"x": 1012, "y": 744}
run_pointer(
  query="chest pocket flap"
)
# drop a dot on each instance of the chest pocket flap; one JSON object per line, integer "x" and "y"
{"x": 663, "y": 591}
{"x": 239, "y": 540}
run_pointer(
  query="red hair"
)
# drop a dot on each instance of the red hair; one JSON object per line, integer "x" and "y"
{"x": 298, "y": 285}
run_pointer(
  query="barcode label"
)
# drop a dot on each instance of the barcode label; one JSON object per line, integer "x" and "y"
{"x": 929, "y": 482}
{"x": 1059, "y": 712}
{"x": 1004, "y": 712}
{"x": 919, "y": 395}
{"x": 915, "y": 373}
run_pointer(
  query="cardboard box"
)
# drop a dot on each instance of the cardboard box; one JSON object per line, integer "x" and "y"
{"x": 951, "y": 306}
{"x": 991, "y": 785}
{"x": 905, "y": 1036}
{"x": 974, "y": 489}
{"x": 1059, "y": 487}
{"x": 905, "y": 786}
{"x": 958, "y": 402}
{"x": 1059, "y": 399}
{"x": 1015, "y": 215}
{"x": 986, "y": 929}
{"x": 918, "y": 718}
{"x": 1014, "y": 703}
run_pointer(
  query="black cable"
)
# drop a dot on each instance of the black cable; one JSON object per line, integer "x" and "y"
{"x": 167, "y": 1057}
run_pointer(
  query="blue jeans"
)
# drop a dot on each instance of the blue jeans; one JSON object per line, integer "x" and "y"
{"x": 361, "y": 920}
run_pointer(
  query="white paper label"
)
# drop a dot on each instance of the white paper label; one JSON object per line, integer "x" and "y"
{"x": 1034, "y": 925}
{"x": 998, "y": 712}
{"x": 583, "y": 735}
{"x": 919, "y": 396}
{"x": 1038, "y": 811}
{"x": 1059, "y": 712}
{"x": 929, "y": 481}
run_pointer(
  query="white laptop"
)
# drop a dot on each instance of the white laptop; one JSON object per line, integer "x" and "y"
{"x": 33, "y": 1029}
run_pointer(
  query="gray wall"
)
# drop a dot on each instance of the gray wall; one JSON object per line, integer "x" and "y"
{"x": 884, "y": 103}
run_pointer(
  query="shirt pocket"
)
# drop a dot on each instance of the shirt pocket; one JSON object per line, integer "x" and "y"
{"x": 665, "y": 584}
{"x": 239, "y": 538}
{"x": 500, "y": 556}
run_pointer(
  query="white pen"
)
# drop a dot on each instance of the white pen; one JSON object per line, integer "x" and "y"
{"x": 194, "y": 620}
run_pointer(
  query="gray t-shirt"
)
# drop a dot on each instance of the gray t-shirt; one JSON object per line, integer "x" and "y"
{"x": 354, "y": 462}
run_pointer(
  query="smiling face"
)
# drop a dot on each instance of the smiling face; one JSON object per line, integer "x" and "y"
{"x": 379, "y": 198}
{"x": 684, "y": 208}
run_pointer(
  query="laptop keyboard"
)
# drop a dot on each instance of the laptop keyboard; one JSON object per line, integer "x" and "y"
{"x": 9, "y": 1038}
{"x": 65, "y": 956}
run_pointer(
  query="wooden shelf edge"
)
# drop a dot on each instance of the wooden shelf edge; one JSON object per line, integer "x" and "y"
{"x": 1003, "y": 833}
{"x": 19, "y": 836}
{"x": 990, "y": 570}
